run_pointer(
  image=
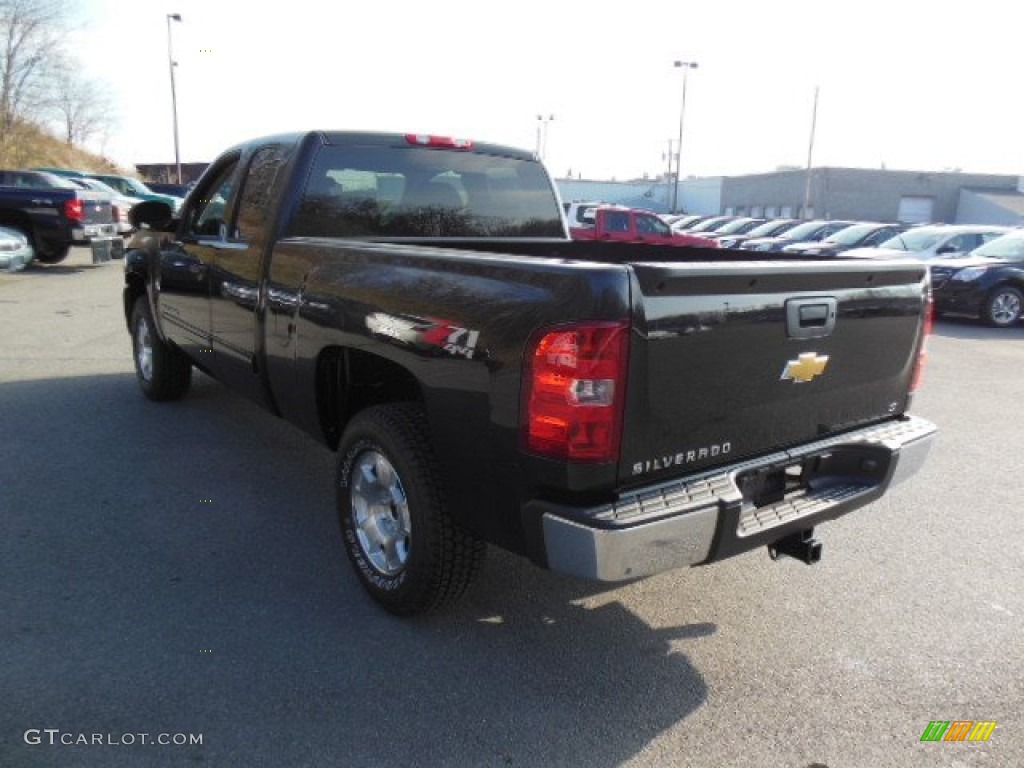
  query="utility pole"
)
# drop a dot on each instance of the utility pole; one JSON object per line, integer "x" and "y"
{"x": 174, "y": 96}
{"x": 810, "y": 153}
{"x": 686, "y": 67}
{"x": 542, "y": 134}
{"x": 668, "y": 178}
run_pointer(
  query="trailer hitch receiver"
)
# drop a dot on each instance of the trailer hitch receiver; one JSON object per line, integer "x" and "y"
{"x": 801, "y": 545}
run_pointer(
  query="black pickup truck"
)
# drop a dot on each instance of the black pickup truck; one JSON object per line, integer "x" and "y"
{"x": 55, "y": 214}
{"x": 609, "y": 410}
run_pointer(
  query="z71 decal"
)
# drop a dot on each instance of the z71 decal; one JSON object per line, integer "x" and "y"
{"x": 425, "y": 334}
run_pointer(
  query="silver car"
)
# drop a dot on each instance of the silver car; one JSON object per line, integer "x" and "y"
{"x": 15, "y": 250}
{"x": 932, "y": 242}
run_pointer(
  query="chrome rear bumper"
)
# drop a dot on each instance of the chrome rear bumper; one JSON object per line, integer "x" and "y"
{"x": 706, "y": 517}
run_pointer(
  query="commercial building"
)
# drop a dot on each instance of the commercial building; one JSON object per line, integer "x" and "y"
{"x": 832, "y": 193}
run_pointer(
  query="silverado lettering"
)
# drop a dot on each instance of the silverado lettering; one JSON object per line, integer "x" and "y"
{"x": 415, "y": 303}
{"x": 681, "y": 458}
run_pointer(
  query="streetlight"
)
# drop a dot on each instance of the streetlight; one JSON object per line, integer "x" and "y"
{"x": 686, "y": 66}
{"x": 542, "y": 144}
{"x": 174, "y": 98}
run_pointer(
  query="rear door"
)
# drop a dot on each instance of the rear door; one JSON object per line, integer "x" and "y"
{"x": 237, "y": 269}
{"x": 733, "y": 360}
{"x": 616, "y": 225}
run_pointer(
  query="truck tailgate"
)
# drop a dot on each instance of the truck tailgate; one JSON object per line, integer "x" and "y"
{"x": 730, "y": 360}
{"x": 95, "y": 207}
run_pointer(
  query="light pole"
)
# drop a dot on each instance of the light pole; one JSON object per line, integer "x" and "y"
{"x": 686, "y": 66}
{"x": 542, "y": 134}
{"x": 174, "y": 97}
{"x": 810, "y": 153}
{"x": 668, "y": 176}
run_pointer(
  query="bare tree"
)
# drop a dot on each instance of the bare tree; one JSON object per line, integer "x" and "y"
{"x": 83, "y": 106}
{"x": 29, "y": 42}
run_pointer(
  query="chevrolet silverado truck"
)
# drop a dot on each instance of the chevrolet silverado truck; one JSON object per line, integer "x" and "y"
{"x": 55, "y": 214}
{"x": 609, "y": 410}
{"x": 620, "y": 224}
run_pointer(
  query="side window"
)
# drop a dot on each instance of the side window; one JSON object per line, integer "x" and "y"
{"x": 880, "y": 236}
{"x": 210, "y": 211}
{"x": 964, "y": 242}
{"x": 260, "y": 182}
{"x": 616, "y": 221}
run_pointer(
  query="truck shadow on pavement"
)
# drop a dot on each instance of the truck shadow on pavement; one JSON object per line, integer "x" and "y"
{"x": 178, "y": 568}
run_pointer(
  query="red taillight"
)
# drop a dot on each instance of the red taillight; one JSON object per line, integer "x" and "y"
{"x": 574, "y": 390}
{"x": 445, "y": 142}
{"x": 74, "y": 210}
{"x": 922, "y": 353}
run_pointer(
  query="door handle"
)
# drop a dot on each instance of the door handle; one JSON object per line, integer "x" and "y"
{"x": 811, "y": 318}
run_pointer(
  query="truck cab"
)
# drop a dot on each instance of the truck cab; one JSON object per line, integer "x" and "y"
{"x": 618, "y": 223}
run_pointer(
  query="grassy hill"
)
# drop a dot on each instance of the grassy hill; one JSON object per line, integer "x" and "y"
{"x": 29, "y": 146}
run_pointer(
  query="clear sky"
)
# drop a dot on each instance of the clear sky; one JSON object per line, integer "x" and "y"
{"x": 906, "y": 84}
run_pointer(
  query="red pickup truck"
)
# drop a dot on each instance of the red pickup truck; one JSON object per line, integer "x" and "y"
{"x": 632, "y": 225}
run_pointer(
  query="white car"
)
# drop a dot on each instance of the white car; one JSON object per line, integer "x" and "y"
{"x": 15, "y": 250}
{"x": 932, "y": 242}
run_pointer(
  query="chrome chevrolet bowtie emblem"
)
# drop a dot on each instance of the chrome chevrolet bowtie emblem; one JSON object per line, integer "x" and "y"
{"x": 805, "y": 367}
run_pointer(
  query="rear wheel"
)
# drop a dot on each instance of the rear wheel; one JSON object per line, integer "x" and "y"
{"x": 164, "y": 373}
{"x": 406, "y": 551}
{"x": 50, "y": 253}
{"x": 1003, "y": 306}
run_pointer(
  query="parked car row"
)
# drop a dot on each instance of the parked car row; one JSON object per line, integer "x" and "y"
{"x": 52, "y": 214}
{"x": 976, "y": 269}
{"x": 123, "y": 185}
{"x": 79, "y": 207}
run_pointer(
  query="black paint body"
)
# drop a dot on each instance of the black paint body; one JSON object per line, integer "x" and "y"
{"x": 313, "y": 328}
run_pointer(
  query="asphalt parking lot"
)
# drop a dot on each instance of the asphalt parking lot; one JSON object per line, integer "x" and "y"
{"x": 176, "y": 570}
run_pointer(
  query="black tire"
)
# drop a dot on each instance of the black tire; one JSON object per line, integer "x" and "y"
{"x": 49, "y": 253}
{"x": 1002, "y": 307}
{"x": 164, "y": 373}
{"x": 385, "y": 455}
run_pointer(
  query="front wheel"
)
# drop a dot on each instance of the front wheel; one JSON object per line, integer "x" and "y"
{"x": 163, "y": 371}
{"x": 406, "y": 551}
{"x": 1002, "y": 307}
